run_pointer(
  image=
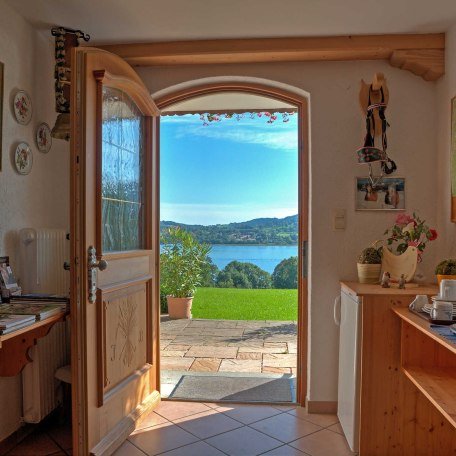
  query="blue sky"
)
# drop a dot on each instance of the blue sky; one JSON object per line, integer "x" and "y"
{"x": 228, "y": 171}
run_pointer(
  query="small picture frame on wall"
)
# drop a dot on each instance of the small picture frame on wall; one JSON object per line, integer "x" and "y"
{"x": 388, "y": 195}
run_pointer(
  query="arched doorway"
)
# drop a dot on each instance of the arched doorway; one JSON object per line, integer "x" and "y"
{"x": 181, "y": 94}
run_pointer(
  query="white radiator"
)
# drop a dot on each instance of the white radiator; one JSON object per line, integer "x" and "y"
{"x": 42, "y": 254}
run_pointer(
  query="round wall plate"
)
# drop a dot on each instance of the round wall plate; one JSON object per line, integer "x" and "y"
{"x": 22, "y": 107}
{"x": 23, "y": 158}
{"x": 43, "y": 137}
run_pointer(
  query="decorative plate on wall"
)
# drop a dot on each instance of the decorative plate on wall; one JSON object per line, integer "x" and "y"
{"x": 23, "y": 158}
{"x": 43, "y": 137}
{"x": 22, "y": 107}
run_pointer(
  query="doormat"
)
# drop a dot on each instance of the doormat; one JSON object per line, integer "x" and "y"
{"x": 238, "y": 389}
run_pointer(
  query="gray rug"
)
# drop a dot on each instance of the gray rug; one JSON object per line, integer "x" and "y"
{"x": 237, "y": 389}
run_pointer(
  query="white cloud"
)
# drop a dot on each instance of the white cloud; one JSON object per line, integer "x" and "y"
{"x": 212, "y": 214}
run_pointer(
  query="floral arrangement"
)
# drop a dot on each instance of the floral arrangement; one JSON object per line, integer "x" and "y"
{"x": 207, "y": 118}
{"x": 410, "y": 230}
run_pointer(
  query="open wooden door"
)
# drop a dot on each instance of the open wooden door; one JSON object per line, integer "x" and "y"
{"x": 115, "y": 251}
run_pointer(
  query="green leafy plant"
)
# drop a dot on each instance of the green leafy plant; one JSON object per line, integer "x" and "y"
{"x": 285, "y": 274}
{"x": 182, "y": 263}
{"x": 370, "y": 255}
{"x": 446, "y": 267}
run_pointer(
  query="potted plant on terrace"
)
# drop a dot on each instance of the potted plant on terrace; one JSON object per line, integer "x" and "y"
{"x": 446, "y": 269}
{"x": 182, "y": 262}
{"x": 369, "y": 265}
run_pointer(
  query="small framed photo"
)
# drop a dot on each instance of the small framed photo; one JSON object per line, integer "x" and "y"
{"x": 388, "y": 195}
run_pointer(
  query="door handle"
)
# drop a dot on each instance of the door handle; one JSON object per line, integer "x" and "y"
{"x": 92, "y": 268}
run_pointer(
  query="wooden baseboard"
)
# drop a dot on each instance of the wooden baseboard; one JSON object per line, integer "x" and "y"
{"x": 324, "y": 407}
{"x": 124, "y": 428}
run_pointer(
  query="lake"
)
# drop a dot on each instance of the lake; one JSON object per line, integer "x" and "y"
{"x": 267, "y": 257}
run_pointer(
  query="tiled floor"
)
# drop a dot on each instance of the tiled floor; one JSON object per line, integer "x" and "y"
{"x": 197, "y": 429}
{"x": 228, "y": 346}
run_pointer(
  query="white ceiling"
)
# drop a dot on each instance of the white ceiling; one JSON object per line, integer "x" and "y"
{"x": 229, "y": 102}
{"x": 122, "y": 21}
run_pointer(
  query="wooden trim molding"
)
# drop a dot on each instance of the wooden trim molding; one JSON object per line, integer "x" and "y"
{"x": 422, "y": 54}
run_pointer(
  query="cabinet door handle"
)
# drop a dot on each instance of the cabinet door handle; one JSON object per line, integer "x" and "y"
{"x": 337, "y": 310}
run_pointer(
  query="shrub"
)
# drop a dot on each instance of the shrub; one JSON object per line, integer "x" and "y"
{"x": 285, "y": 274}
{"x": 371, "y": 255}
{"x": 446, "y": 267}
{"x": 243, "y": 275}
{"x": 209, "y": 274}
{"x": 182, "y": 262}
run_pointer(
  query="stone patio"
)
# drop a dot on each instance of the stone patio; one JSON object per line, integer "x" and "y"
{"x": 197, "y": 345}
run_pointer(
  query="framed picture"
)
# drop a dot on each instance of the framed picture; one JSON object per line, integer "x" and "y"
{"x": 453, "y": 160}
{"x": 389, "y": 195}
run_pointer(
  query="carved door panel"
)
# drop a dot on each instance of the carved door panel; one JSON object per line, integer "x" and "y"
{"x": 115, "y": 251}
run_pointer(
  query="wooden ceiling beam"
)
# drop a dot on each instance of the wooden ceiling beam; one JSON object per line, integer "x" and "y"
{"x": 423, "y": 54}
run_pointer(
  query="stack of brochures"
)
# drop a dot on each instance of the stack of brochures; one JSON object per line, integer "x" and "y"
{"x": 41, "y": 310}
{"x": 10, "y": 323}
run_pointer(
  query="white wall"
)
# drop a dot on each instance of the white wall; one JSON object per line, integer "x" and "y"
{"x": 336, "y": 132}
{"x": 446, "y": 89}
{"x": 41, "y": 198}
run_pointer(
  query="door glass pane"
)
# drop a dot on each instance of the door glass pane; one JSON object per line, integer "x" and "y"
{"x": 122, "y": 177}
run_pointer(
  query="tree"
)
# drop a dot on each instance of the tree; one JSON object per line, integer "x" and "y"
{"x": 285, "y": 274}
{"x": 209, "y": 274}
{"x": 243, "y": 275}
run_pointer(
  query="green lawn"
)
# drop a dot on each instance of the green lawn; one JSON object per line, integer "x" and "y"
{"x": 241, "y": 304}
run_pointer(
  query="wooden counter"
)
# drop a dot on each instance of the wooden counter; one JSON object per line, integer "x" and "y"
{"x": 396, "y": 416}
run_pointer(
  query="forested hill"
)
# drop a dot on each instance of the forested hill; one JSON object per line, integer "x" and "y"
{"x": 265, "y": 231}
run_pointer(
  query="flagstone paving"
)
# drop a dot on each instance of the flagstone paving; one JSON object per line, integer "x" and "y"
{"x": 228, "y": 346}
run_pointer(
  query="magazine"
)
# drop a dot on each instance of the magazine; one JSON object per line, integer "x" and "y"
{"x": 41, "y": 311}
{"x": 9, "y": 320}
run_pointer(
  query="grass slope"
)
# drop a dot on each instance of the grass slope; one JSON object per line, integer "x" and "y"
{"x": 241, "y": 304}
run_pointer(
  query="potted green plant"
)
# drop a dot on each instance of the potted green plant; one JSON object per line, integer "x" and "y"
{"x": 369, "y": 265}
{"x": 446, "y": 269}
{"x": 182, "y": 262}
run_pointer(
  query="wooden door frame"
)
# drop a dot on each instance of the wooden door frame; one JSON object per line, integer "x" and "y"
{"x": 303, "y": 196}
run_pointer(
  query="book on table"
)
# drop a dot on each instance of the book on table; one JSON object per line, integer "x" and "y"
{"x": 40, "y": 311}
{"x": 11, "y": 322}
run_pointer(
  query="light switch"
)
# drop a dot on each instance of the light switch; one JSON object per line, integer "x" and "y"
{"x": 339, "y": 219}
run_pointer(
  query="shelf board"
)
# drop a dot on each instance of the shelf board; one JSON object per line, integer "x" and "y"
{"x": 438, "y": 384}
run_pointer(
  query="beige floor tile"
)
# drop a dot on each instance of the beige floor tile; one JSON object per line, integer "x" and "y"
{"x": 336, "y": 428}
{"x": 173, "y": 346}
{"x": 322, "y": 420}
{"x": 275, "y": 360}
{"x": 171, "y": 353}
{"x": 206, "y": 365}
{"x": 212, "y": 352}
{"x": 227, "y": 324}
{"x": 250, "y": 355}
{"x": 195, "y": 449}
{"x": 285, "y": 427}
{"x": 208, "y": 424}
{"x": 173, "y": 410}
{"x": 285, "y": 450}
{"x": 282, "y": 345}
{"x": 323, "y": 443}
{"x": 292, "y": 347}
{"x": 193, "y": 331}
{"x": 229, "y": 332}
{"x": 128, "y": 449}
{"x": 175, "y": 363}
{"x": 152, "y": 419}
{"x": 62, "y": 435}
{"x": 248, "y": 414}
{"x": 276, "y": 370}
{"x": 36, "y": 444}
{"x": 248, "y": 343}
{"x": 240, "y": 365}
{"x": 244, "y": 441}
{"x": 163, "y": 437}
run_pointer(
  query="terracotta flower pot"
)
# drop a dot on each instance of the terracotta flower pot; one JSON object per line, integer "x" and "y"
{"x": 179, "y": 307}
{"x": 369, "y": 273}
{"x": 441, "y": 277}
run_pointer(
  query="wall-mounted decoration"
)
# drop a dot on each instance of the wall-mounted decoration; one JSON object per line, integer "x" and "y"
{"x": 374, "y": 100}
{"x": 1, "y": 111}
{"x": 22, "y": 105}
{"x": 388, "y": 195}
{"x": 65, "y": 39}
{"x": 23, "y": 158}
{"x": 43, "y": 137}
{"x": 453, "y": 160}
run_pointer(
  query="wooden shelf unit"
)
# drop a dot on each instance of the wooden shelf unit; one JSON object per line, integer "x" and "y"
{"x": 14, "y": 346}
{"x": 429, "y": 361}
